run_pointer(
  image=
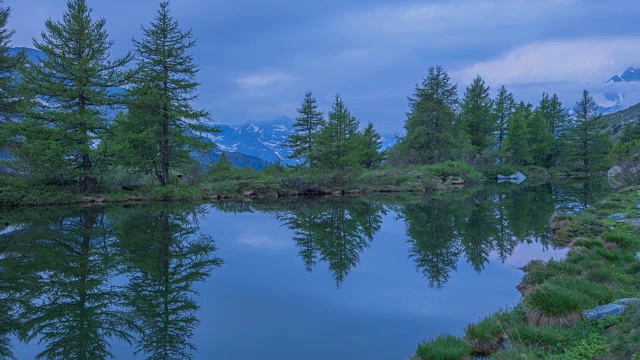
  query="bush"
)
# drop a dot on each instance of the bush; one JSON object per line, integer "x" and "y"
{"x": 444, "y": 347}
{"x": 487, "y": 335}
{"x": 492, "y": 172}
{"x": 580, "y": 228}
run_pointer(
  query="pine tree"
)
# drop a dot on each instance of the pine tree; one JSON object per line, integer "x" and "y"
{"x": 73, "y": 85}
{"x": 339, "y": 141}
{"x": 223, "y": 165}
{"x": 476, "y": 116}
{"x": 587, "y": 139}
{"x": 164, "y": 90}
{"x": 8, "y": 66}
{"x": 517, "y": 142}
{"x": 309, "y": 122}
{"x": 503, "y": 110}
{"x": 372, "y": 154}
{"x": 540, "y": 139}
{"x": 557, "y": 121}
{"x": 430, "y": 122}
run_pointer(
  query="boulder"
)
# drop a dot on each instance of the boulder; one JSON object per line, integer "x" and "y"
{"x": 604, "y": 311}
{"x": 617, "y": 216}
{"x": 626, "y": 301}
{"x": 638, "y": 256}
{"x": 516, "y": 178}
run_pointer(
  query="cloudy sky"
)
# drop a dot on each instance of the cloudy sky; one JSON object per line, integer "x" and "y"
{"x": 259, "y": 57}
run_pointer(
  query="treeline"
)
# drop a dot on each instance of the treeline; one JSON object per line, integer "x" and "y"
{"x": 57, "y": 124}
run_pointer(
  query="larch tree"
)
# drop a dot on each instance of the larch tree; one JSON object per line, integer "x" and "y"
{"x": 339, "y": 143}
{"x": 517, "y": 142}
{"x": 587, "y": 139}
{"x": 476, "y": 116}
{"x": 70, "y": 90}
{"x": 307, "y": 125}
{"x": 503, "y": 111}
{"x": 372, "y": 154}
{"x": 8, "y": 67}
{"x": 430, "y": 121}
{"x": 163, "y": 93}
{"x": 557, "y": 121}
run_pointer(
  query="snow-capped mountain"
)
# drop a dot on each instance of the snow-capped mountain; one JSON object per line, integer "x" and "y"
{"x": 266, "y": 139}
{"x": 619, "y": 92}
{"x": 630, "y": 75}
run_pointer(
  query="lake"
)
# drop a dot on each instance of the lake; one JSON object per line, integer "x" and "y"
{"x": 324, "y": 278}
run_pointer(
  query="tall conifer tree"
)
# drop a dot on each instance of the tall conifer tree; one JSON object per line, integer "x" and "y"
{"x": 8, "y": 66}
{"x": 164, "y": 91}
{"x": 430, "y": 122}
{"x": 503, "y": 110}
{"x": 339, "y": 143}
{"x": 372, "y": 154}
{"x": 308, "y": 124}
{"x": 476, "y": 116}
{"x": 589, "y": 143}
{"x": 73, "y": 87}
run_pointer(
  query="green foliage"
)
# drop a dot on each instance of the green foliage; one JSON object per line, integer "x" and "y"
{"x": 503, "y": 110}
{"x": 589, "y": 145}
{"x": 553, "y": 113}
{"x": 308, "y": 125}
{"x": 430, "y": 122}
{"x": 8, "y": 66}
{"x": 540, "y": 139}
{"x": 444, "y": 347}
{"x": 517, "y": 143}
{"x": 580, "y": 228}
{"x": 589, "y": 348}
{"x": 371, "y": 148}
{"x": 160, "y": 100}
{"x": 476, "y": 116}
{"x": 339, "y": 143}
{"x": 564, "y": 295}
{"x": 56, "y": 136}
{"x": 623, "y": 240}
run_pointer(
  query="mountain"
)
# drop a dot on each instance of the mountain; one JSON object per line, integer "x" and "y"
{"x": 238, "y": 160}
{"x": 619, "y": 92}
{"x": 630, "y": 75}
{"x": 616, "y": 122}
{"x": 266, "y": 139}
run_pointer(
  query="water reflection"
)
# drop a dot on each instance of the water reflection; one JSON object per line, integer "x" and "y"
{"x": 74, "y": 281}
{"x": 63, "y": 275}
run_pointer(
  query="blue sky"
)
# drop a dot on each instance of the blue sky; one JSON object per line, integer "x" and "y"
{"x": 258, "y": 58}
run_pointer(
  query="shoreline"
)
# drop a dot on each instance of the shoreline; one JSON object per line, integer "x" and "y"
{"x": 601, "y": 268}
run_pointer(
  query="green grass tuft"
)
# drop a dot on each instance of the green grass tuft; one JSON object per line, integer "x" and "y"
{"x": 444, "y": 347}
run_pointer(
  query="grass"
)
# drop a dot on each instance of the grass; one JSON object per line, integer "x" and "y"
{"x": 444, "y": 347}
{"x": 600, "y": 268}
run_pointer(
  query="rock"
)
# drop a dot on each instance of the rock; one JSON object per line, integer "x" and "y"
{"x": 604, "y": 311}
{"x": 249, "y": 193}
{"x": 638, "y": 256}
{"x": 617, "y": 216}
{"x": 516, "y": 178}
{"x": 626, "y": 301}
{"x": 638, "y": 206}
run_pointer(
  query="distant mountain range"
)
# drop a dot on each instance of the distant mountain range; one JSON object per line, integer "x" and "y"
{"x": 266, "y": 139}
{"x": 619, "y": 92}
{"x": 630, "y": 75}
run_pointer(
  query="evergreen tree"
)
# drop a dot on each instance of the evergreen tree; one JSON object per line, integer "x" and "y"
{"x": 517, "y": 143}
{"x": 372, "y": 154}
{"x": 308, "y": 124}
{"x": 476, "y": 116}
{"x": 164, "y": 90}
{"x": 339, "y": 143}
{"x": 540, "y": 139}
{"x": 223, "y": 165}
{"x": 503, "y": 111}
{"x": 557, "y": 121}
{"x": 589, "y": 143}
{"x": 430, "y": 122}
{"x": 8, "y": 66}
{"x": 73, "y": 85}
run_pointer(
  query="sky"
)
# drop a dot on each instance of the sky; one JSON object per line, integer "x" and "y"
{"x": 258, "y": 58}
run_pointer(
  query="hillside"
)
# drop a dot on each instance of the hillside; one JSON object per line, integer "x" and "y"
{"x": 619, "y": 120}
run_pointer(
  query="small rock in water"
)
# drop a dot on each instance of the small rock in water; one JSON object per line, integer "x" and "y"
{"x": 617, "y": 216}
{"x": 605, "y": 311}
{"x": 626, "y": 301}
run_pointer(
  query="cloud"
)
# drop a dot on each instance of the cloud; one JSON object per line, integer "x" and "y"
{"x": 423, "y": 17}
{"x": 261, "y": 81}
{"x": 263, "y": 241}
{"x": 578, "y": 61}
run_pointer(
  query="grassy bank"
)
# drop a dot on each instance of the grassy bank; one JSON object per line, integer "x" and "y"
{"x": 600, "y": 268}
{"x": 275, "y": 181}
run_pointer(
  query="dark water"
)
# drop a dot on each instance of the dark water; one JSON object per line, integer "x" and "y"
{"x": 337, "y": 278}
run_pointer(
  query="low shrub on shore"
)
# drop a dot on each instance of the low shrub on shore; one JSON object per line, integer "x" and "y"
{"x": 444, "y": 347}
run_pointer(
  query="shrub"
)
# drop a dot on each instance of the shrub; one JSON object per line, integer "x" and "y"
{"x": 488, "y": 335}
{"x": 444, "y": 347}
{"x": 581, "y": 228}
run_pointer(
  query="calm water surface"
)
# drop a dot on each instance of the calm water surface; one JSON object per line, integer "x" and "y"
{"x": 336, "y": 278}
